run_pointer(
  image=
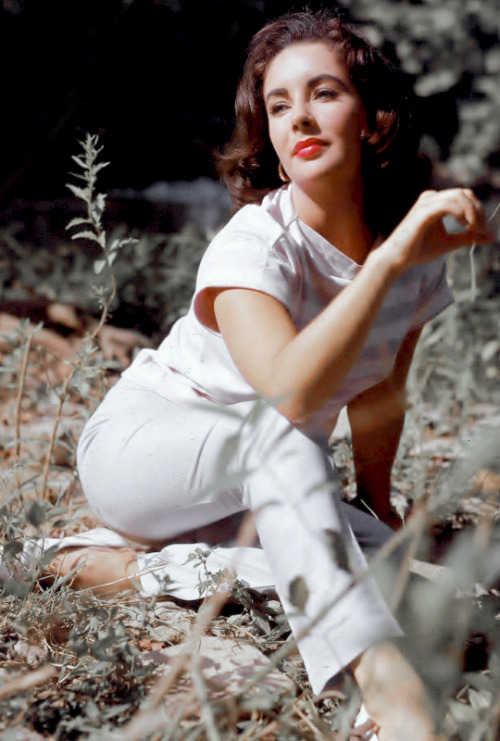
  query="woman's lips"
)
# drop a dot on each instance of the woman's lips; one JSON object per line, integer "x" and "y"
{"x": 307, "y": 147}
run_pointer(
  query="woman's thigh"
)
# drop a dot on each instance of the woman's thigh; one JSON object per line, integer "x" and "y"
{"x": 152, "y": 469}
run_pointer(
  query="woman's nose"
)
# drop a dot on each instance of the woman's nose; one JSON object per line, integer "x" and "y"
{"x": 302, "y": 117}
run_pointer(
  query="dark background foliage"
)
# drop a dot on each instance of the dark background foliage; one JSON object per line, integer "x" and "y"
{"x": 156, "y": 79}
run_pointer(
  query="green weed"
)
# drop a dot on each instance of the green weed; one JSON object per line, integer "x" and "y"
{"x": 101, "y": 666}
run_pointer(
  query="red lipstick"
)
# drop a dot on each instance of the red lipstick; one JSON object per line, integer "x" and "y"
{"x": 307, "y": 147}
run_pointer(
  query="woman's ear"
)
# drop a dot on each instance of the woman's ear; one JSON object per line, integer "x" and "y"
{"x": 282, "y": 174}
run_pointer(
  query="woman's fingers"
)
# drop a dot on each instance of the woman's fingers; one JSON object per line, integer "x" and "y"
{"x": 458, "y": 202}
{"x": 100, "y": 568}
{"x": 468, "y": 238}
{"x": 422, "y": 236}
{"x": 470, "y": 206}
{"x": 475, "y": 217}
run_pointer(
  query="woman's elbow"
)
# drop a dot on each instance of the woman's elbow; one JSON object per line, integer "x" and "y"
{"x": 297, "y": 410}
{"x": 298, "y": 403}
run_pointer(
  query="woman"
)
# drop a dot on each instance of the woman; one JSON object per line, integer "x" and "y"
{"x": 311, "y": 298}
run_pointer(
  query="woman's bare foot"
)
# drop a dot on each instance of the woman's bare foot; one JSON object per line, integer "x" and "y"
{"x": 394, "y": 695}
{"x": 103, "y": 569}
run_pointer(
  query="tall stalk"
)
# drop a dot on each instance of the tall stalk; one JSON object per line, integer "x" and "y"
{"x": 91, "y": 229}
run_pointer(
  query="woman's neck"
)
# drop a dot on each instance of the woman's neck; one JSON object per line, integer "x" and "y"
{"x": 338, "y": 216}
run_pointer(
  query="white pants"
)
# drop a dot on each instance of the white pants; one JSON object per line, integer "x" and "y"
{"x": 153, "y": 468}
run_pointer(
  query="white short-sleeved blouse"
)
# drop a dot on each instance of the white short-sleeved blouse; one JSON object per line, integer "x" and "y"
{"x": 268, "y": 248}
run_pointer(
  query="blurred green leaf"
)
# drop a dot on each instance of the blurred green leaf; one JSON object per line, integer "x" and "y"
{"x": 36, "y": 514}
{"x": 11, "y": 549}
{"x": 299, "y": 592}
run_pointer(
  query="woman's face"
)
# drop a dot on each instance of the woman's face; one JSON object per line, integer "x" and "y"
{"x": 315, "y": 114}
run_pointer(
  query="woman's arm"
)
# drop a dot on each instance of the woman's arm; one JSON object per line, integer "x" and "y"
{"x": 300, "y": 371}
{"x": 376, "y": 417}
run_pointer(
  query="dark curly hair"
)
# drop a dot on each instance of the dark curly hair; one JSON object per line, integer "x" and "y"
{"x": 392, "y": 174}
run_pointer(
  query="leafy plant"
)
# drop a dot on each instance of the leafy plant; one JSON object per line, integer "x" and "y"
{"x": 452, "y": 53}
{"x": 103, "y": 682}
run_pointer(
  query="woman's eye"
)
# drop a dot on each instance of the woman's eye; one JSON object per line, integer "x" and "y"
{"x": 326, "y": 93}
{"x": 277, "y": 108}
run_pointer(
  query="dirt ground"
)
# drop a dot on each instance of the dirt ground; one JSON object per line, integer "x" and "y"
{"x": 74, "y": 665}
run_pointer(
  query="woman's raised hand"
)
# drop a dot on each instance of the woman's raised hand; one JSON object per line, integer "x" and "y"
{"x": 422, "y": 236}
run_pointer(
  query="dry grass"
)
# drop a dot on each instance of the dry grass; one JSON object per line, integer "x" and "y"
{"x": 78, "y": 666}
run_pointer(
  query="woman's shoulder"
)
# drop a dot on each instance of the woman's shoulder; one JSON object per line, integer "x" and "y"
{"x": 263, "y": 222}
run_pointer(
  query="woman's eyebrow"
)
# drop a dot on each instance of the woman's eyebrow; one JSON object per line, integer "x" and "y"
{"x": 324, "y": 77}
{"x": 278, "y": 92}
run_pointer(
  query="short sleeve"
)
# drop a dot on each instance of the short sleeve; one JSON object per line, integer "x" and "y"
{"x": 434, "y": 295}
{"x": 241, "y": 259}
